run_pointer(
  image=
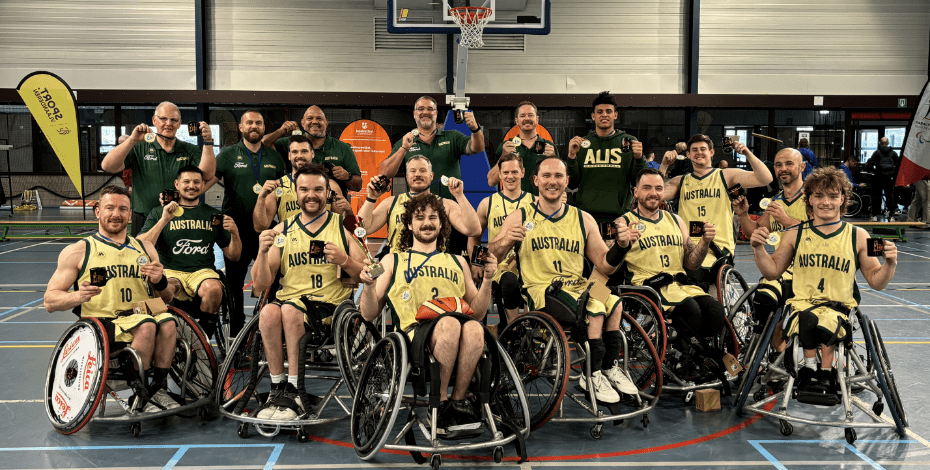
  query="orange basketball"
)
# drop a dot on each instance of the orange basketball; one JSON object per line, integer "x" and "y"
{"x": 433, "y": 308}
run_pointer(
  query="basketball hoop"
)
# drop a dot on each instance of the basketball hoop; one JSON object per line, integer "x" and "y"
{"x": 472, "y": 21}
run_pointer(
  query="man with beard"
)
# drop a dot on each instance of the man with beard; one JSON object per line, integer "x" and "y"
{"x": 420, "y": 272}
{"x": 285, "y": 205}
{"x": 552, "y": 241}
{"x": 185, "y": 244}
{"x": 492, "y": 211}
{"x": 824, "y": 254}
{"x": 787, "y": 209}
{"x": 704, "y": 191}
{"x": 310, "y": 284}
{"x": 419, "y": 180}
{"x": 245, "y": 168}
{"x": 335, "y": 155}
{"x": 532, "y": 147}
{"x": 132, "y": 267}
{"x": 660, "y": 251}
{"x": 154, "y": 163}
{"x": 606, "y": 169}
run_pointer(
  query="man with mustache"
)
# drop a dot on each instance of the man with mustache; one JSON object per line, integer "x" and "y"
{"x": 552, "y": 241}
{"x": 132, "y": 268}
{"x": 658, "y": 257}
{"x": 326, "y": 150}
{"x": 531, "y": 149}
{"x": 825, "y": 254}
{"x": 154, "y": 163}
{"x": 604, "y": 172}
{"x": 787, "y": 209}
{"x": 704, "y": 191}
{"x": 310, "y": 285}
{"x": 245, "y": 168}
{"x": 419, "y": 180}
{"x": 185, "y": 244}
{"x": 286, "y": 205}
{"x": 420, "y": 272}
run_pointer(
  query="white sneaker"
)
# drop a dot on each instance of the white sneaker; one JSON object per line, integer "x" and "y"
{"x": 602, "y": 389}
{"x": 620, "y": 380}
{"x": 160, "y": 401}
{"x": 285, "y": 393}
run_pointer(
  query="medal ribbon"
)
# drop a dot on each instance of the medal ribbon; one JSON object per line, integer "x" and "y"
{"x": 258, "y": 170}
{"x": 411, "y": 276}
{"x": 297, "y": 219}
{"x": 121, "y": 245}
{"x": 812, "y": 226}
{"x": 782, "y": 195}
{"x": 536, "y": 211}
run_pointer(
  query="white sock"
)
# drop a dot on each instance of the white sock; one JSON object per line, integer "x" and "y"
{"x": 811, "y": 362}
{"x": 276, "y": 379}
{"x": 292, "y": 379}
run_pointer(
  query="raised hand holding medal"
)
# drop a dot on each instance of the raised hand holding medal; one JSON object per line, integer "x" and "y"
{"x": 362, "y": 240}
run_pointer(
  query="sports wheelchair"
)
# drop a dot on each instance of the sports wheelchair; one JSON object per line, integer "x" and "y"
{"x": 539, "y": 344}
{"x": 216, "y": 326}
{"x": 245, "y": 381}
{"x": 384, "y": 391}
{"x": 84, "y": 367}
{"x": 779, "y": 376}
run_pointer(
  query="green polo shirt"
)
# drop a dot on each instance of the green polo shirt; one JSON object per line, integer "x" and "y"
{"x": 154, "y": 170}
{"x": 186, "y": 243}
{"x": 238, "y": 167}
{"x": 604, "y": 175}
{"x": 332, "y": 151}
{"x": 445, "y": 153}
{"x": 529, "y": 162}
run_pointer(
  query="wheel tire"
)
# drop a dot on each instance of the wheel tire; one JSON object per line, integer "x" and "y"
{"x": 785, "y": 427}
{"x": 597, "y": 431}
{"x": 243, "y": 431}
{"x": 373, "y": 416}
{"x": 498, "y": 454}
{"x": 850, "y": 435}
{"x": 878, "y": 407}
{"x": 135, "y": 429}
{"x": 435, "y": 461}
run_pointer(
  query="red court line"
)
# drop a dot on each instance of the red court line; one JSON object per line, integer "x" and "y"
{"x": 246, "y": 287}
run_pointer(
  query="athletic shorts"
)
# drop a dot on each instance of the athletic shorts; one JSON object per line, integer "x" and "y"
{"x": 123, "y": 326}
{"x": 190, "y": 282}
{"x": 827, "y": 319}
{"x": 536, "y": 301}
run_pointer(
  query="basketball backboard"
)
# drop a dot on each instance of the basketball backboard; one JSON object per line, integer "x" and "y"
{"x": 432, "y": 16}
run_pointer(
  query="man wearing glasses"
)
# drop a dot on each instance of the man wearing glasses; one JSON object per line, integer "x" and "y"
{"x": 155, "y": 164}
{"x": 444, "y": 150}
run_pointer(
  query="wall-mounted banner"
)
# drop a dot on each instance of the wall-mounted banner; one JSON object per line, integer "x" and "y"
{"x": 371, "y": 145}
{"x": 51, "y": 102}
{"x": 915, "y": 156}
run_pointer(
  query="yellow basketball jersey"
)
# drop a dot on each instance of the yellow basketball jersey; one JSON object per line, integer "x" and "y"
{"x": 705, "y": 199}
{"x": 419, "y": 277}
{"x": 314, "y": 277}
{"x": 125, "y": 285}
{"x": 825, "y": 266}
{"x": 499, "y": 207}
{"x": 796, "y": 209}
{"x": 660, "y": 248}
{"x": 553, "y": 249}
{"x": 287, "y": 203}
{"x": 394, "y": 222}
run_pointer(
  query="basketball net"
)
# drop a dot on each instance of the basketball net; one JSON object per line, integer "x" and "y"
{"x": 472, "y": 21}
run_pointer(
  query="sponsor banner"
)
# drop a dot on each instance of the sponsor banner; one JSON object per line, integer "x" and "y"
{"x": 371, "y": 145}
{"x": 915, "y": 155}
{"x": 51, "y": 103}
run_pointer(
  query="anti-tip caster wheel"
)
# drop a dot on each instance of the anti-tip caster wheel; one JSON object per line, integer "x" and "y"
{"x": 878, "y": 407}
{"x": 135, "y": 429}
{"x": 303, "y": 436}
{"x": 688, "y": 398}
{"x": 785, "y": 427}
{"x": 850, "y": 435}
{"x": 645, "y": 421}
{"x": 243, "y": 430}
{"x": 498, "y": 454}
{"x": 435, "y": 461}
{"x": 759, "y": 395}
{"x": 597, "y": 431}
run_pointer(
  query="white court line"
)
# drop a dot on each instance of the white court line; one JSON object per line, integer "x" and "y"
{"x": 28, "y": 246}
{"x": 23, "y": 285}
{"x": 20, "y": 401}
{"x": 888, "y": 419}
{"x": 912, "y": 254}
{"x": 530, "y": 465}
{"x": 18, "y": 314}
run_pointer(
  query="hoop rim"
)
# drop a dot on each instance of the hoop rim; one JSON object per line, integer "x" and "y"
{"x": 470, "y": 14}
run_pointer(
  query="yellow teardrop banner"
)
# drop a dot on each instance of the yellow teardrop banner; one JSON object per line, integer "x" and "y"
{"x": 51, "y": 103}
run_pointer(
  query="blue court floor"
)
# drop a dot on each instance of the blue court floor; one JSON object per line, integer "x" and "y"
{"x": 678, "y": 436}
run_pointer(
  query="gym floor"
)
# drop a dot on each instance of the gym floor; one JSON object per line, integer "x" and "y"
{"x": 678, "y": 436}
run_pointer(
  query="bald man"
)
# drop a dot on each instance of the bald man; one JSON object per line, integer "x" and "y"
{"x": 787, "y": 209}
{"x": 155, "y": 164}
{"x": 335, "y": 155}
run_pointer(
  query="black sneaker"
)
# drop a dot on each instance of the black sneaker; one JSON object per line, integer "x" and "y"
{"x": 140, "y": 395}
{"x": 807, "y": 378}
{"x": 457, "y": 420}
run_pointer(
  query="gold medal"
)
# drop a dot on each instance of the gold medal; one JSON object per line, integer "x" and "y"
{"x": 529, "y": 225}
{"x": 149, "y": 137}
{"x": 297, "y": 132}
{"x": 405, "y": 296}
{"x": 415, "y": 132}
{"x": 279, "y": 191}
{"x": 360, "y": 232}
{"x": 179, "y": 211}
{"x": 279, "y": 241}
{"x": 585, "y": 143}
{"x": 143, "y": 260}
{"x": 257, "y": 188}
{"x": 764, "y": 203}
{"x": 681, "y": 157}
{"x": 517, "y": 141}
{"x": 773, "y": 239}
{"x": 377, "y": 270}
{"x": 444, "y": 180}
{"x": 640, "y": 226}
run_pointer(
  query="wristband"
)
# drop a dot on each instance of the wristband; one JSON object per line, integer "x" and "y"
{"x": 208, "y": 142}
{"x": 346, "y": 261}
{"x": 616, "y": 254}
{"x": 476, "y": 129}
{"x": 373, "y": 201}
{"x": 160, "y": 285}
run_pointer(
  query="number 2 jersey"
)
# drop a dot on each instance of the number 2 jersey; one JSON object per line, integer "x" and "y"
{"x": 419, "y": 277}
{"x": 705, "y": 199}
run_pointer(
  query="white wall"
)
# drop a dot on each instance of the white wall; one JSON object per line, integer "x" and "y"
{"x": 134, "y": 44}
{"x": 814, "y": 47}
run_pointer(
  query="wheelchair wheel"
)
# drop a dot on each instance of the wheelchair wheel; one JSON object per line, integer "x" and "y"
{"x": 77, "y": 374}
{"x": 242, "y": 370}
{"x": 755, "y": 361}
{"x": 742, "y": 319}
{"x": 882, "y": 368}
{"x": 855, "y": 205}
{"x": 355, "y": 339}
{"x": 509, "y": 401}
{"x": 643, "y": 361}
{"x": 381, "y": 386}
{"x": 226, "y": 307}
{"x": 538, "y": 347}
{"x": 201, "y": 377}
{"x": 647, "y": 313}
{"x": 730, "y": 286}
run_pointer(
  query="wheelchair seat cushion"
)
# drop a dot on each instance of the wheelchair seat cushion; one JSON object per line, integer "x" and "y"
{"x": 432, "y": 309}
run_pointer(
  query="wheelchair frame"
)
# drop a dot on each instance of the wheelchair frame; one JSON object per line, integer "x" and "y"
{"x": 223, "y": 341}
